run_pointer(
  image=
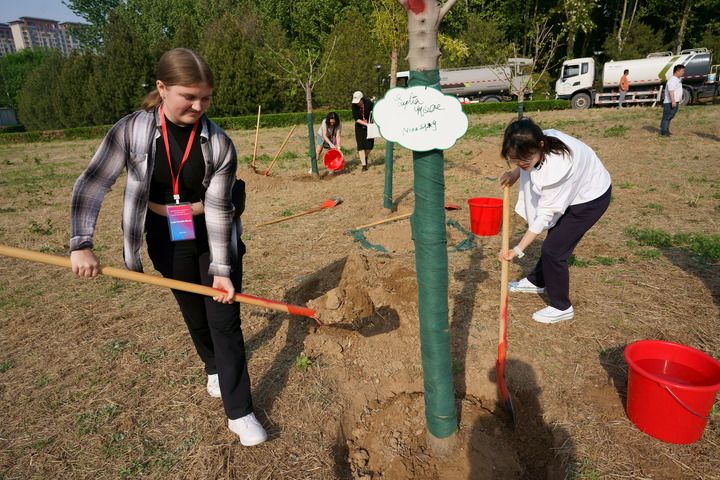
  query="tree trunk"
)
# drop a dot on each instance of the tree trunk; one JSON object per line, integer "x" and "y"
{"x": 311, "y": 129}
{"x": 571, "y": 45}
{"x": 430, "y": 238}
{"x": 683, "y": 25}
{"x": 620, "y": 27}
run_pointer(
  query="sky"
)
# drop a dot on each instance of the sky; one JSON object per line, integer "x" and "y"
{"x": 50, "y": 9}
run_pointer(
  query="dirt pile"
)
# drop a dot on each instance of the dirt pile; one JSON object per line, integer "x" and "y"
{"x": 370, "y": 345}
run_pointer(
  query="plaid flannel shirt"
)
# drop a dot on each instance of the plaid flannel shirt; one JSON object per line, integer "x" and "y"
{"x": 130, "y": 144}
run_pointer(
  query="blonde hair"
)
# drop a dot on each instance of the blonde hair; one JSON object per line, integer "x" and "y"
{"x": 179, "y": 66}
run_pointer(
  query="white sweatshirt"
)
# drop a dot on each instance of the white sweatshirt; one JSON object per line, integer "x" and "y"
{"x": 546, "y": 193}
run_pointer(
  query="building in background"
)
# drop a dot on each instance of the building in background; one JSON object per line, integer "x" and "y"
{"x": 29, "y": 32}
{"x": 7, "y": 45}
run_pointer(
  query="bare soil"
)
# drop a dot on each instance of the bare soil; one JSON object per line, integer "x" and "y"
{"x": 99, "y": 379}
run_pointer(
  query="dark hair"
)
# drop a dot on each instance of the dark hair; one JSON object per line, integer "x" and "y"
{"x": 332, "y": 116}
{"x": 678, "y": 67}
{"x": 523, "y": 138}
{"x": 626, "y": 71}
{"x": 179, "y": 66}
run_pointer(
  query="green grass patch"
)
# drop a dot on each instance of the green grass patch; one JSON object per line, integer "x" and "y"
{"x": 705, "y": 246}
{"x": 151, "y": 357}
{"x": 6, "y": 365}
{"x": 482, "y": 130}
{"x": 655, "y": 207}
{"x": 91, "y": 422}
{"x": 114, "y": 348}
{"x": 303, "y": 362}
{"x": 627, "y": 185}
{"x": 616, "y": 131}
{"x": 573, "y": 261}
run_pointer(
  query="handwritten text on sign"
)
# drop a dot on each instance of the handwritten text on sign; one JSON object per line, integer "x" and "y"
{"x": 420, "y": 118}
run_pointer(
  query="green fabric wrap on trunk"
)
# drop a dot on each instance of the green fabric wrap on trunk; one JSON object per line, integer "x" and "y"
{"x": 431, "y": 260}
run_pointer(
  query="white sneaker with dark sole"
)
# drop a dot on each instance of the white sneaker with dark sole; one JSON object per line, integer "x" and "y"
{"x": 213, "y": 386}
{"x": 249, "y": 430}
{"x": 524, "y": 286}
{"x": 553, "y": 315}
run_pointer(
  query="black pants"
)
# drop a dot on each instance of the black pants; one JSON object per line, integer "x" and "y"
{"x": 551, "y": 271}
{"x": 668, "y": 114}
{"x": 214, "y": 327}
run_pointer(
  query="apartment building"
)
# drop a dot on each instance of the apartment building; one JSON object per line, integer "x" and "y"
{"x": 7, "y": 45}
{"x": 29, "y": 32}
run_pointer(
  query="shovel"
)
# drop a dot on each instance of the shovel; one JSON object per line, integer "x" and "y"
{"x": 502, "y": 341}
{"x": 161, "y": 282}
{"x": 326, "y": 204}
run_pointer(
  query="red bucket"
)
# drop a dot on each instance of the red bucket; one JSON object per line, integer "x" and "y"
{"x": 485, "y": 216}
{"x": 671, "y": 389}
{"x": 333, "y": 159}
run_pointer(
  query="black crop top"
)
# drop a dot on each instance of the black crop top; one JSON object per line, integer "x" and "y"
{"x": 192, "y": 174}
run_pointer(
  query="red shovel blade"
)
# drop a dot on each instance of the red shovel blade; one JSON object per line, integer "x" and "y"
{"x": 331, "y": 202}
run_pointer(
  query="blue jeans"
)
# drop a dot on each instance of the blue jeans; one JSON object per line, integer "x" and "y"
{"x": 668, "y": 114}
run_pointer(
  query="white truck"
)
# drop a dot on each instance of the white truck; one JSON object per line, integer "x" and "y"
{"x": 489, "y": 83}
{"x": 646, "y": 79}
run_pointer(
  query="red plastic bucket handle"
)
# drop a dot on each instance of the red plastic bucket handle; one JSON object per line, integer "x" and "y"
{"x": 684, "y": 405}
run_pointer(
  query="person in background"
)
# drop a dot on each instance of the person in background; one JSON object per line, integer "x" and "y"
{"x": 624, "y": 87}
{"x": 361, "y": 109}
{"x": 178, "y": 161}
{"x": 564, "y": 190}
{"x": 329, "y": 134}
{"x": 671, "y": 99}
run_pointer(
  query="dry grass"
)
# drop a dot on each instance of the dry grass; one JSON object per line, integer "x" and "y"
{"x": 98, "y": 379}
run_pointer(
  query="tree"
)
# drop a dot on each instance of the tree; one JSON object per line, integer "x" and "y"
{"x": 351, "y": 67}
{"x": 429, "y": 235}
{"x": 578, "y": 15}
{"x": 231, "y": 48}
{"x": 638, "y": 42}
{"x": 96, "y": 13}
{"x": 14, "y": 69}
{"x": 75, "y": 103}
{"x": 37, "y": 106}
{"x": 305, "y": 67}
{"x": 123, "y": 73}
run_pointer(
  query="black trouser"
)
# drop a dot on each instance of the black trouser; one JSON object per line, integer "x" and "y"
{"x": 551, "y": 271}
{"x": 668, "y": 114}
{"x": 214, "y": 327}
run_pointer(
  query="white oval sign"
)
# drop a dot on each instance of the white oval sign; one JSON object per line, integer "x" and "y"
{"x": 420, "y": 118}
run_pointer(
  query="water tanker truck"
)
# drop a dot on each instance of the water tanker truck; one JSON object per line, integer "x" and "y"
{"x": 490, "y": 83}
{"x": 646, "y": 79}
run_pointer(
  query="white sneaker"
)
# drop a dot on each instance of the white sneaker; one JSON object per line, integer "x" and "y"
{"x": 248, "y": 429}
{"x": 213, "y": 386}
{"x": 553, "y": 315}
{"x": 524, "y": 286}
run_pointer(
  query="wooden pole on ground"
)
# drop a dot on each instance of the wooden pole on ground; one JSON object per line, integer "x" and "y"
{"x": 257, "y": 131}
{"x": 267, "y": 172}
{"x": 387, "y": 220}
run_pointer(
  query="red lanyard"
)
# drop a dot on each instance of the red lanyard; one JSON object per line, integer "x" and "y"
{"x": 188, "y": 147}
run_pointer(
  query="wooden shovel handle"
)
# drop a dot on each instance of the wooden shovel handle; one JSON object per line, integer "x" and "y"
{"x": 504, "y": 272}
{"x": 387, "y": 220}
{"x": 278, "y": 220}
{"x": 158, "y": 281}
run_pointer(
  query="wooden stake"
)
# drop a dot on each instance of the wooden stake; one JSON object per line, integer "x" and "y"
{"x": 387, "y": 220}
{"x": 267, "y": 172}
{"x": 159, "y": 281}
{"x": 257, "y": 131}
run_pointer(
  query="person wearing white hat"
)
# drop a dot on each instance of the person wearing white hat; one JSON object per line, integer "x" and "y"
{"x": 361, "y": 109}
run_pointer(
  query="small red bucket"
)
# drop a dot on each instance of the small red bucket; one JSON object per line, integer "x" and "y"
{"x": 485, "y": 216}
{"x": 671, "y": 389}
{"x": 333, "y": 159}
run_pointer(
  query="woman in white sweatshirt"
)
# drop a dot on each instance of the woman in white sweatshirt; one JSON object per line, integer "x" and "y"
{"x": 564, "y": 189}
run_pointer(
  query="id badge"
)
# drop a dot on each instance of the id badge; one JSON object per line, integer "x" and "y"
{"x": 180, "y": 221}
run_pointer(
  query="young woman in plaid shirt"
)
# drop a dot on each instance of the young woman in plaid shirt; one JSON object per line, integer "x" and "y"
{"x": 176, "y": 158}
